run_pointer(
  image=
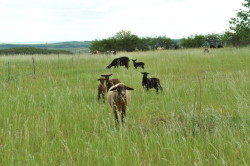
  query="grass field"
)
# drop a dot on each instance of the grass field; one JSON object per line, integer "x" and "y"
{"x": 52, "y": 116}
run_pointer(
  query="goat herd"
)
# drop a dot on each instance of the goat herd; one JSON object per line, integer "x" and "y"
{"x": 118, "y": 94}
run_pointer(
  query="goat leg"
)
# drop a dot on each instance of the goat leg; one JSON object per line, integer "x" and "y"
{"x": 116, "y": 117}
{"x": 123, "y": 115}
{"x": 103, "y": 97}
{"x": 157, "y": 89}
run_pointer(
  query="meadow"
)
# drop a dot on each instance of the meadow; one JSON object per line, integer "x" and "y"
{"x": 51, "y": 116}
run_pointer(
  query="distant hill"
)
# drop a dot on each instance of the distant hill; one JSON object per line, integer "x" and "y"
{"x": 59, "y": 45}
{"x": 31, "y": 51}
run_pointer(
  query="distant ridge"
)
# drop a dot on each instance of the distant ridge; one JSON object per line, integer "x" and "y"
{"x": 59, "y": 45}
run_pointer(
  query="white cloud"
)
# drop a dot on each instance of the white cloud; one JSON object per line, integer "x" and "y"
{"x": 51, "y": 20}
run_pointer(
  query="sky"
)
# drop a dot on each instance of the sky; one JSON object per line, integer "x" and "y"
{"x": 86, "y": 20}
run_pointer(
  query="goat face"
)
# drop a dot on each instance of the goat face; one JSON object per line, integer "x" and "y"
{"x": 106, "y": 76}
{"x": 145, "y": 74}
{"x": 121, "y": 89}
{"x": 101, "y": 80}
{"x": 114, "y": 63}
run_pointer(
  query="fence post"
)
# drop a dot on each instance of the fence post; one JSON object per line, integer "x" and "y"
{"x": 34, "y": 67}
{"x": 58, "y": 60}
{"x": 8, "y": 71}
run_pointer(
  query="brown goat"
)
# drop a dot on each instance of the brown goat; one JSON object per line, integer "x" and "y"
{"x": 119, "y": 97}
{"x": 206, "y": 50}
{"x": 111, "y": 82}
{"x": 101, "y": 89}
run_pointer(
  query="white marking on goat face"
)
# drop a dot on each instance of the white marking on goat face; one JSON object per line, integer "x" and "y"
{"x": 121, "y": 91}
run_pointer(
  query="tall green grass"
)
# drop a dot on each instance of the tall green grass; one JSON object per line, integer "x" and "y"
{"x": 54, "y": 118}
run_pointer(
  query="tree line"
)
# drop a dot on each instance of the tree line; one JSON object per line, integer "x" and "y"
{"x": 237, "y": 34}
{"x": 31, "y": 51}
{"x": 126, "y": 41}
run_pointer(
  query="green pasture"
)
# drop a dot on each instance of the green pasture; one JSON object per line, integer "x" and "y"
{"x": 49, "y": 113}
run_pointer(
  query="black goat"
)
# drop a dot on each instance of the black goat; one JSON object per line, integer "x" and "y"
{"x": 138, "y": 64}
{"x": 148, "y": 83}
{"x": 212, "y": 46}
{"x": 114, "y": 63}
{"x": 220, "y": 46}
{"x": 122, "y": 61}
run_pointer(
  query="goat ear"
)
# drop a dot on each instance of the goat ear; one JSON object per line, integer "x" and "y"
{"x": 110, "y": 74}
{"x": 113, "y": 89}
{"x": 128, "y": 88}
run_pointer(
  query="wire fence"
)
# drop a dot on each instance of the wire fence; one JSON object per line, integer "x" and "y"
{"x": 13, "y": 70}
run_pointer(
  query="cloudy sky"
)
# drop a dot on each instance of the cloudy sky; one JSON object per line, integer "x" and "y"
{"x": 80, "y": 20}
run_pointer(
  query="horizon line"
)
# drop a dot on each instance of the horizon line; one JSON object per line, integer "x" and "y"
{"x": 41, "y": 42}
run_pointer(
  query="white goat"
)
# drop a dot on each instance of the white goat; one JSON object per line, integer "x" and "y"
{"x": 119, "y": 97}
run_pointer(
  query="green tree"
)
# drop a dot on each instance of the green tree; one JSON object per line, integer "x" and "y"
{"x": 126, "y": 41}
{"x": 144, "y": 44}
{"x": 239, "y": 27}
{"x": 162, "y": 42}
{"x": 97, "y": 45}
{"x": 194, "y": 41}
{"x": 213, "y": 39}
